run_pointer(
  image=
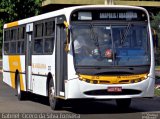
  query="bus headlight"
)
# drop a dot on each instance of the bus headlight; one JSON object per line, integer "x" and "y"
{"x": 122, "y": 79}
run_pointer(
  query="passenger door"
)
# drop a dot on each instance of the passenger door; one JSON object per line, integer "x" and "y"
{"x": 28, "y": 57}
{"x": 60, "y": 58}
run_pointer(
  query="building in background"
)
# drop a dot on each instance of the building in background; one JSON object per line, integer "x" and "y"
{"x": 49, "y": 5}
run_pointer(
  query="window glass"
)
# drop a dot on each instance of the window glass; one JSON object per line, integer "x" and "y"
{"x": 20, "y": 47}
{"x": 14, "y": 34}
{"x": 38, "y": 46}
{"x": 21, "y": 32}
{"x": 6, "y": 48}
{"x": 7, "y": 35}
{"x": 14, "y": 40}
{"x": 96, "y": 45}
{"x": 49, "y": 28}
{"x": 39, "y": 30}
{"x": 13, "y": 47}
{"x": 48, "y": 45}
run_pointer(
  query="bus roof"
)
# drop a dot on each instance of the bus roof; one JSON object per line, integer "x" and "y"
{"x": 66, "y": 12}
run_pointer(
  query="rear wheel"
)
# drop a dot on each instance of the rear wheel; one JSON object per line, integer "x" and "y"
{"x": 123, "y": 103}
{"x": 55, "y": 103}
{"x": 20, "y": 94}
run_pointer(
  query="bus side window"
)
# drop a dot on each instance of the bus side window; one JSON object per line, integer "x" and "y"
{"x": 38, "y": 46}
{"x": 44, "y": 37}
{"x": 39, "y": 30}
{"x": 6, "y": 48}
{"x": 21, "y": 33}
{"x": 7, "y": 35}
{"x": 38, "y": 38}
{"x": 20, "y": 47}
{"x": 49, "y": 36}
{"x": 48, "y": 45}
{"x": 14, "y": 34}
{"x": 14, "y": 40}
{"x": 13, "y": 47}
{"x": 20, "y": 41}
{"x": 6, "y": 41}
{"x": 49, "y": 28}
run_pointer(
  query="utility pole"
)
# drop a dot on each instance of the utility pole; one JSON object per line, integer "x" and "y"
{"x": 109, "y": 2}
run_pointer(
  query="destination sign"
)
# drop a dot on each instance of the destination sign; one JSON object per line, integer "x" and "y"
{"x": 128, "y": 15}
{"x": 119, "y": 15}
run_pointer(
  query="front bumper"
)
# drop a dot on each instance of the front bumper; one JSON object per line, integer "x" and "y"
{"x": 76, "y": 88}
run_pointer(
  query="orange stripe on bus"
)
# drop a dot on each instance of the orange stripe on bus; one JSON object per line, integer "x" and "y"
{"x": 12, "y": 24}
{"x": 15, "y": 64}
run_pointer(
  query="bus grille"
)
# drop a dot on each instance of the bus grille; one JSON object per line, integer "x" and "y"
{"x": 105, "y": 92}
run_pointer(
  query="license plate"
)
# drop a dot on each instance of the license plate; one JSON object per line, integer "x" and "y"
{"x": 114, "y": 89}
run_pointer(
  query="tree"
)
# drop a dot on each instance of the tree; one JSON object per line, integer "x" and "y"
{"x": 13, "y": 10}
{"x": 20, "y": 9}
{"x": 155, "y": 24}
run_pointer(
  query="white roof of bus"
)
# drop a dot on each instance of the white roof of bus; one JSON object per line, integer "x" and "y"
{"x": 67, "y": 12}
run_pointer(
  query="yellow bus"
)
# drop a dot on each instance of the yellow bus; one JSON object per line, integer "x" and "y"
{"x": 82, "y": 52}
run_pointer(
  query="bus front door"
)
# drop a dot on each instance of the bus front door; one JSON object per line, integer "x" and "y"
{"x": 28, "y": 57}
{"x": 60, "y": 60}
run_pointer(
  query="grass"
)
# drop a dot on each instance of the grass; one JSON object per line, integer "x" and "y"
{"x": 157, "y": 92}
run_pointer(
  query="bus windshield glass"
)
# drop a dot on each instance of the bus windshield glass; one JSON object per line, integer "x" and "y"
{"x": 124, "y": 44}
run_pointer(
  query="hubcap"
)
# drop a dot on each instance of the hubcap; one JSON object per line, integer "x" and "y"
{"x": 51, "y": 94}
{"x": 18, "y": 88}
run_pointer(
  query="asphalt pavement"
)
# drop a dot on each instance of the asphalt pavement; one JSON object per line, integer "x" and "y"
{"x": 37, "y": 106}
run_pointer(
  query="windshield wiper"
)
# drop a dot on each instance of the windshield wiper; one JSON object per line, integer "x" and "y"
{"x": 124, "y": 35}
{"x": 94, "y": 35}
{"x": 95, "y": 38}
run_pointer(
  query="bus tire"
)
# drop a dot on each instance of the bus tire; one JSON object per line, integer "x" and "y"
{"x": 54, "y": 102}
{"x": 123, "y": 103}
{"x": 20, "y": 94}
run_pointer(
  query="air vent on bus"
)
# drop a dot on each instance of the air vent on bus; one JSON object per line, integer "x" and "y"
{"x": 105, "y": 92}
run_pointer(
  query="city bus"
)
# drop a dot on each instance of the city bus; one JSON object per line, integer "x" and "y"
{"x": 97, "y": 52}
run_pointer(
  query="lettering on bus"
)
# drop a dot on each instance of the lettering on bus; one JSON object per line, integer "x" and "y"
{"x": 15, "y": 63}
{"x": 39, "y": 66}
{"x": 127, "y": 15}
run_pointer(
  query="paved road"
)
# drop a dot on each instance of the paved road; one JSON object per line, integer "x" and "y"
{"x": 140, "y": 108}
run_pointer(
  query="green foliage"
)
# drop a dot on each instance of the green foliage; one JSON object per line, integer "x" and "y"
{"x": 157, "y": 57}
{"x": 13, "y": 10}
{"x": 20, "y": 9}
{"x": 155, "y": 24}
{"x": 157, "y": 92}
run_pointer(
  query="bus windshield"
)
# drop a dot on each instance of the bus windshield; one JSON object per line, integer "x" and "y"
{"x": 111, "y": 45}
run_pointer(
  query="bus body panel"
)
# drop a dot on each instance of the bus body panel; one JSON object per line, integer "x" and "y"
{"x": 11, "y": 64}
{"x": 39, "y": 85}
{"x": 41, "y": 66}
{"x": 6, "y": 78}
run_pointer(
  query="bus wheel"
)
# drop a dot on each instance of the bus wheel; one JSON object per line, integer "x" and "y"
{"x": 54, "y": 102}
{"x": 20, "y": 94}
{"x": 123, "y": 103}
